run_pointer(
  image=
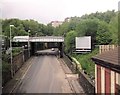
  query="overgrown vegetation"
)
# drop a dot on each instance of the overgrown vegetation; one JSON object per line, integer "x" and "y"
{"x": 6, "y": 64}
{"x": 6, "y": 75}
{"x": 86, "y": 63}
{"x": 16, "y": 51}
{"x": 102, "y": 27}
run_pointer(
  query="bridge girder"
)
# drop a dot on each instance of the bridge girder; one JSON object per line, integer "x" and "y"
{"x": 38, "y": 39}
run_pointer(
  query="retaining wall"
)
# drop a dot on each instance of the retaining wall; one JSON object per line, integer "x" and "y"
{"x": 83, "y": 79}
{"x": 70, "y": 64}
{"x": 86, "y": 83}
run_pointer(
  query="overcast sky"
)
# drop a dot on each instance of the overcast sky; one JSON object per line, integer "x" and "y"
{"x": 45, "y": 11}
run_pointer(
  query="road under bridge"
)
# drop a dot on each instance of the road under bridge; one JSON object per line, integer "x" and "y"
{"x": 40, "y": 43}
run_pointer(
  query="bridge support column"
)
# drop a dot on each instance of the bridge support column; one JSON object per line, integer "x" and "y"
{"x": 61, "y": 49}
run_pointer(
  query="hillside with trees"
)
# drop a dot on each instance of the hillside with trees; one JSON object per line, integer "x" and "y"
{"x": 22, "y": 26}
{"x": 102, "y": 27}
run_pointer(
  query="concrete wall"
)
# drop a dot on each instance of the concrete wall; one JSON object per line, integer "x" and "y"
{"x": 69, "y": 63}
{"x": 84, "y": 81}
{"x": 26, "y": 55}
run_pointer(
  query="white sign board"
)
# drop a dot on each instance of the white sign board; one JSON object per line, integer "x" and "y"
{"x": 83, "y": 42}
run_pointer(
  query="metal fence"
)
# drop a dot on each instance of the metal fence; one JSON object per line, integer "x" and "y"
{"x": 18, "y": 61}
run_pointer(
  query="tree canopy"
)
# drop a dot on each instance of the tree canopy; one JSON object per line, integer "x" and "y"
{"x": 102, "y": 27}
{"x": 22, "y": 26}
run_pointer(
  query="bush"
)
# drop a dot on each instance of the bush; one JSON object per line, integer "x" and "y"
{"x": 16, "y": 51}
{"x": 87, "y": 64}
{"x": 6, "y": 74}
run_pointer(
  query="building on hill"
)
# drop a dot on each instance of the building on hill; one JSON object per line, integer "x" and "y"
{"x": 56, "y": 23}
{"x": 107, "y": 71}
{"x": 67, "y": 19}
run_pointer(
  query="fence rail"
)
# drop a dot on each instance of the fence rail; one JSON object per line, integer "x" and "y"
{"x": 104, "y": 48}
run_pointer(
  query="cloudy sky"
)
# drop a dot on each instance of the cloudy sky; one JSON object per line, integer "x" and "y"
{"x": 45, "y": 11}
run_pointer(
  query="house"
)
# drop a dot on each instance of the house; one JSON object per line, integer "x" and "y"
{"x": 107, "y": 71}
{"x": 67, "y": 19}
{"x": 56, "y": 23}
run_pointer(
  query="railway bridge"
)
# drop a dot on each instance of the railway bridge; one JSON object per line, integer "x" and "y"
{"x": 40, "y": 43}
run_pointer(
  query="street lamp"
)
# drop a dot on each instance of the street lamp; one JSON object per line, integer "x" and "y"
{"x": 28, "y": 43}
{"x": 11, "y": 50}
{"x": 36, "y": 44}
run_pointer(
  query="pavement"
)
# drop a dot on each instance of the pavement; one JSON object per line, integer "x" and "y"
{"x": 11, "y": 85}
{"x": 44, "y": 74}
{"x": 72, "y": 78}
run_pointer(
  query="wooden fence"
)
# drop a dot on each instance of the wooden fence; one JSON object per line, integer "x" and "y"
{"x": 104, "y": 48}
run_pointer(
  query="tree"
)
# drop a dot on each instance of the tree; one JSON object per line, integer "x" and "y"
{"x": 103, "y": 35}
{"x": 22, "y": 26}
{"x": 113, "y": 28}
{"x": 88, "y": 27}
{"x": 103, "y": 16}
{"x": 70, "y": 41}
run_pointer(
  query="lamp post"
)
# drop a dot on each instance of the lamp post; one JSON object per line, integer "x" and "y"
{"x": 28, "y": 44}
{"x": 11, "y": 50}
{"x": 36, "y": 43}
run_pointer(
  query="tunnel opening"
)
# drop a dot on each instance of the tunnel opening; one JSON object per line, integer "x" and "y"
{"x": 43, "y": 48}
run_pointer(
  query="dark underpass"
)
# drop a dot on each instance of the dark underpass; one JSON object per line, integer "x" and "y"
{"x": 40, "y": 46}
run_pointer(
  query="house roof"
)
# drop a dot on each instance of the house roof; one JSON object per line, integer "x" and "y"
{"x": 109, "y": 59}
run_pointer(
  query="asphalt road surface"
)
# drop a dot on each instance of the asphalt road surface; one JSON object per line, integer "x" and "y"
{"x": 47, "y": 52}
{"x": 45, "y": 75}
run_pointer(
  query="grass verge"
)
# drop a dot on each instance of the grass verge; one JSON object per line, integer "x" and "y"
{"x": 86, "y": 63}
